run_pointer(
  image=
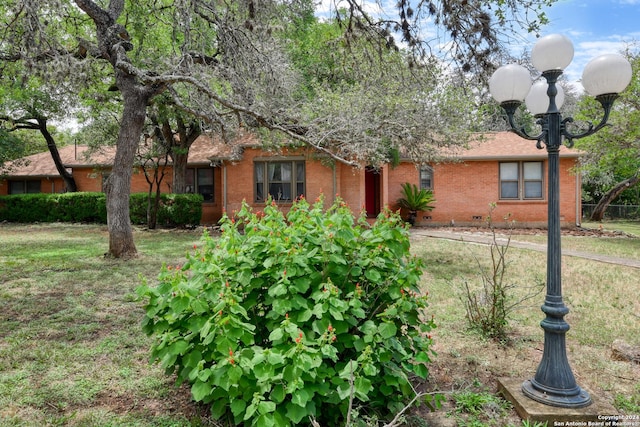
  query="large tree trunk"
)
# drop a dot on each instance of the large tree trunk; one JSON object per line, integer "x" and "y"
{"x": 118, "y": 185}
{"x": 611, "y": 195}
{"x": 69, "y": 182}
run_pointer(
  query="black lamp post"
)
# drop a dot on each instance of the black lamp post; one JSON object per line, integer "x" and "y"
{"x": 604, "y": 77}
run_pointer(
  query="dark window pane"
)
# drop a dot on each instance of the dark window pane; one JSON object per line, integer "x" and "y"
{"x": 33, "y": 186}
{"x": 280, "y": 191}
{"x": 533, "y": 190}
{"x": 259, "y": 191}
{"x": 16, "y": 187}
{"x": 426, "y": 177}
{"x": 508, "y": 190}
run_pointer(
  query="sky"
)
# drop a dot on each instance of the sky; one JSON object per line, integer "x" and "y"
{"x": 595, "y": 27}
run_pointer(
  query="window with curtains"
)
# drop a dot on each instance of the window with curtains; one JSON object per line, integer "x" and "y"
{"x": 283, "y": 180}
{"x": 200, "y": 180}
{"x": 521, "y": 181}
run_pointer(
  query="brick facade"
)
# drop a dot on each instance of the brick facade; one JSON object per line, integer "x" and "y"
{"x": 463, "y": 189}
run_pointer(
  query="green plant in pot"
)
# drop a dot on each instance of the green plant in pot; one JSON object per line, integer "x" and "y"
{"x": 415, "y": 199}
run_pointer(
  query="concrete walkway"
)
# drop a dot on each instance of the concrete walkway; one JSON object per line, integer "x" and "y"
{"x": 486, "y": 238}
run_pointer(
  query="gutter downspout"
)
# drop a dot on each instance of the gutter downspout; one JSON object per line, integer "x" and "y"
{"x": 334, "y": 179}
{"x": 578, "y": 200}
{"x": 224, "y": 187}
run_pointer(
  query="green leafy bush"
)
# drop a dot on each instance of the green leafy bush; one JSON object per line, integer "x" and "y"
{"x": 46, "y": 207}
{"x": 287, "y": 318}
{"x": 174, "y": 210}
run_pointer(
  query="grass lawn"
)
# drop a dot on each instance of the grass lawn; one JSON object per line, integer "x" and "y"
{"x": 72, "y": 352}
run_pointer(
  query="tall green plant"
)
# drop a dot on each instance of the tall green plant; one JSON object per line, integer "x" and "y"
{"x": 287, "y": 319}
{"x": 415, "y": 199}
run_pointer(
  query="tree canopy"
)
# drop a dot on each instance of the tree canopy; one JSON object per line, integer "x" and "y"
{"x": 377, "y": 81}
{"x": 611, "y": 163}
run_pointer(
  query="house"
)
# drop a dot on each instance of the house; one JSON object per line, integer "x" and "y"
{"x": 499, "y": 168}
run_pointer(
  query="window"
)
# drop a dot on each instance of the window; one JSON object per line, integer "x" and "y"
{"x": 521, "y": 180}
{"x": 24, "y": 187}
{"x": 426, "y": 178}
{"x": 200, "y": 181}
{"x": 284, "y": 181}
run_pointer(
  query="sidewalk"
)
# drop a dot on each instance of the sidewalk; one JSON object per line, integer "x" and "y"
{"x": 485, "y": 239}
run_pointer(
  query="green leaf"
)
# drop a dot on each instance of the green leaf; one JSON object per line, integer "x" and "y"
{"x": 278, "y": 394}
{"x": 373, "y": 275}
{"x": 265, "y": 420}
{"x": 275, "y": 358}
{"x": 268, "y": 263}
{"x": 276, "y": 335}
{"x": 295, "y": 413}
{"x": 238, "y": 406}
{"x": 344, "y": 390}
{"x": 301, "y": 397}
{"x": 200, "y": 390}
{"x": 301, "y": 284}
{"x": 266, "y": 406}
{"x": 304, "y": 316}
{"x": 277, "y": 290}
{"x": 387, "y": 330}
{"x": 362, "y": 388}
{"x": 421, "y": 370}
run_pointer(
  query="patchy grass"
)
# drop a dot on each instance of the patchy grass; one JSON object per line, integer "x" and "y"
{"x": 601, "y": 311}
{"x": 72, "y": 352}
{"x": 71, "y": 347}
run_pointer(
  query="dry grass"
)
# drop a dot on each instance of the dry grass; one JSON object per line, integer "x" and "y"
{"x": 603, "y": 303}
{"x": 72, "y": 352}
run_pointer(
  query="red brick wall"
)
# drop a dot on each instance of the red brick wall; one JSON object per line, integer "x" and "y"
{"x": 47, "y": 185}
{"x": 320, "y": 179}
{"x": 464, "y": 191}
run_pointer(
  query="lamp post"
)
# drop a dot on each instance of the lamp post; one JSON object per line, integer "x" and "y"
{"x": 604, "y": 78}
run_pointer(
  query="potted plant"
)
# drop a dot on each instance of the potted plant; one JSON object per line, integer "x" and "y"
{"x": 415, "y": 199}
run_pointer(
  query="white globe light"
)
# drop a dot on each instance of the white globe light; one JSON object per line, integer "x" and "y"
{"x": 552, "y": 52}
{"x": 610, "y": 73}
{"x": 537, "y": 100}
{"x": 510, "y": 83}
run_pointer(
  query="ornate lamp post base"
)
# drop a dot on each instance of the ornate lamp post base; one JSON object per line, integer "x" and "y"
{"x": 572, "y": 398}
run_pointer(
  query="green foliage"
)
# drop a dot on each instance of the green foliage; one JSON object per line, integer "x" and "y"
{"x": 612, "y": 154}
{"x": 175, "y": 209}
{"x": 284, "y": 318}
{"x": 629, "y": 404}
{"x": 480, "y": 409}
{"x": 44, "y": 207}
{"x": 415, "y": 199}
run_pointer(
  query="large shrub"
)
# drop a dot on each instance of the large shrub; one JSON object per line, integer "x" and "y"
{"x": 286, "y": 318}
{"x": 174, "y": 209}
{"x": 50, "y": 207}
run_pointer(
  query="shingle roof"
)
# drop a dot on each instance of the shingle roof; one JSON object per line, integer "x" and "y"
{"x": 490, "y": 146}
{"x": 507, "y": 145}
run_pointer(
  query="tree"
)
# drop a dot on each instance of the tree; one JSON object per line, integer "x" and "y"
{"x": 225, "y": 64}
{"x": 611, "y": 163}
{"x": 25, "y": 105}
